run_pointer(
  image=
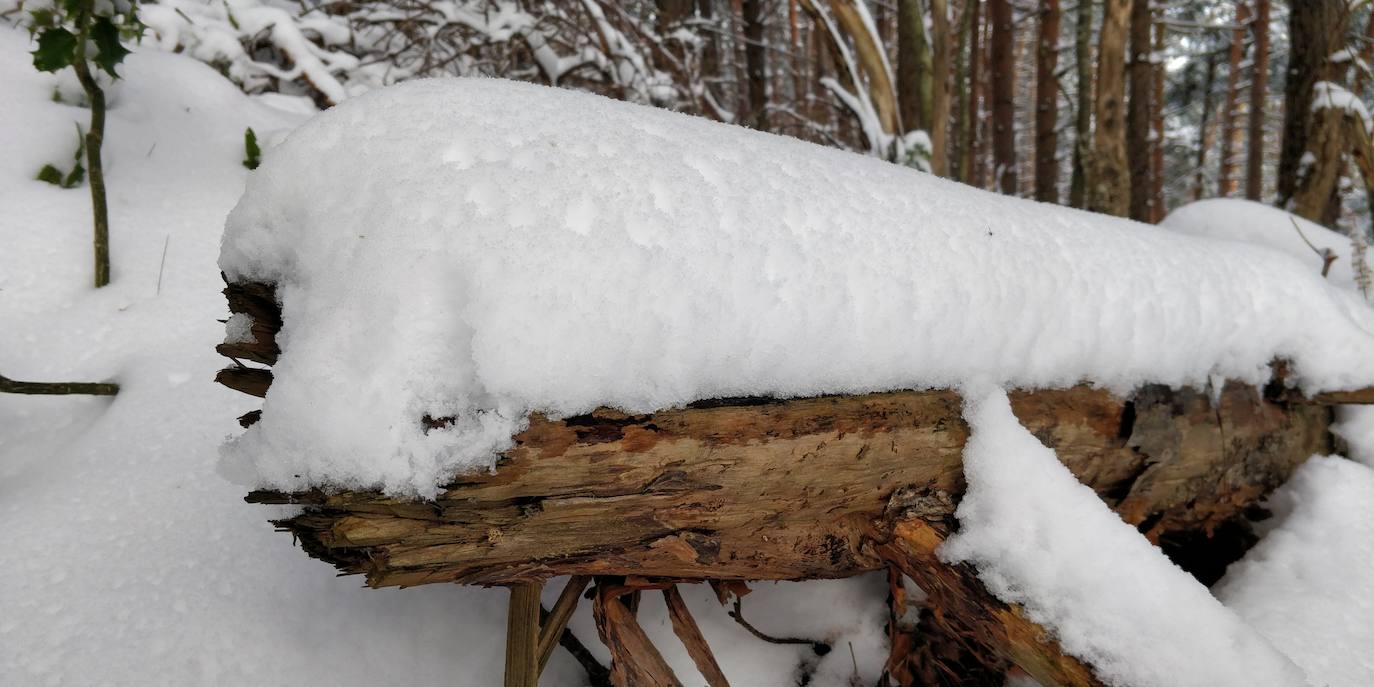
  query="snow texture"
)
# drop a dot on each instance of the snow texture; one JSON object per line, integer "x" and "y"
{"x": 1309, "y": 584}
{"x": 1041, "y": 539}
{"x": 127, "y": 560}
{"x": 514, "y": 248}
{"x": 1255, "y": 223}
{"x": 1326, "y": 94}
{"x": 238, "y": 328}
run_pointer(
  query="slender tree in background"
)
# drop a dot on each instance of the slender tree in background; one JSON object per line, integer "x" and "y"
{"x": 1047, "y": 104}
{"x": 1316, "y": 29}
{"x": 913, "y": 65}
{"x": 1205, "y": 127}
{"x": 1003, "y": 96}
{"x": 1109, "y": 190}
{"x": 1228, "y": 181}
{"x": 939, "y": 87}
{"x": 973, "y": 166}
{"x": 958, "y": 157}
{"x": 1083, "y": 112}
{"x": 1142, "y": 74}
{"x": 1259, "y": 79}
{"x": 756, "y": 62}
{"x": 1158, "y": 139}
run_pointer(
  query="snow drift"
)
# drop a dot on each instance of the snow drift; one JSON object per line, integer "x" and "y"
{"x": 513, "y": 248}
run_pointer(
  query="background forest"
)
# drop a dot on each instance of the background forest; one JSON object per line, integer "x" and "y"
{"x": 1129, "y": 107}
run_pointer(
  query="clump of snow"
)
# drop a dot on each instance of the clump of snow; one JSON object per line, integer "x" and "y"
{"x": 1326, "y": 94}
{"x": 1041, "y": 539}
{"x": 238, "y": 328}
{"x": 1309, "y": 584}
{"x": 1256, "y": 223}
{"x": 1355, "y": 424}
{"x": 515, "y": 248}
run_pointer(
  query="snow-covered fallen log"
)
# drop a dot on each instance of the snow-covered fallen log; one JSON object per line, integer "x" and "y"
{"x": 549, "y": 334}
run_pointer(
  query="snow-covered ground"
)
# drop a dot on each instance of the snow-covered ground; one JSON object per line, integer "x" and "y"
{"x": 129, "y": 560}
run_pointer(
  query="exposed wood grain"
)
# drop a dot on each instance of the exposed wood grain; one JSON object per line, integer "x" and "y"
{"x": 553, "y": 626}
{"x": 685, "y": 627}
{"x": 522, "y": 635}
{"x": 635, "y": 662}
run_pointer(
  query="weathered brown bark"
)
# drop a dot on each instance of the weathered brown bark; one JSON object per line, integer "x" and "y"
{"x": 939, "y": 87}
{"x": 522, "y": 635}
{"x": 963, "y": 117}
{"x": 1141, "y": 72}
{"x": 1047, "y": 104}
{"x": 1109, "y": 183}
{"x": 1003, "y": 85}
{"x": 1083, "y": 113}
{"x": 1259, "y": 81}
{"x": 1316, "y": 29}
{"x": 1228, "y": 180}
{"x": 1157, "y": 207}
{"x": 10, "y": 386}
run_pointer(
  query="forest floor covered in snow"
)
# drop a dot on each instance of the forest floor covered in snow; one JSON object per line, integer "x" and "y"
{"x": 131, "y": 560}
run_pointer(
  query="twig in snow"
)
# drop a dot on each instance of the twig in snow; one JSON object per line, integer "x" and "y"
{"x": 162, "y": 264}
{"x": 1326, "y": 254}
{"x": 821, "y": 648}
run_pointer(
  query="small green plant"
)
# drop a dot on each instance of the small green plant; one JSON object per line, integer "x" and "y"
{"x": 51, "y": 174}
{"x": 252, "y": 154}
{"x": 87, "y": 35}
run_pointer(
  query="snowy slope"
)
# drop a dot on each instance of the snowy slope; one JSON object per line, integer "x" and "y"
{"x": 127, "y": 560}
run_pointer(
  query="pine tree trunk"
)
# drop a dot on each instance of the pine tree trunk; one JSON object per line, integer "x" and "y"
{"x": 958, "y": 157}
{"x": 1109, "y": 190}
{"x": 1083, "y": 112}
{"x": 1157, "y": 206}
{"x": 1142, "y": 75}
{"x": 1316, "y": 29}
{"x": 756, "y": 63}
{"x": 1003, "y": 96}
{"x": 1204, "y": 129}
{"x": 972, "y": 147}
{"x": 1259, "y": 79}
{"x": 1047, "y": 104}
{"x": 939, "y": 87}
{"x": 1228, "y": 181}
{"x": 913, "y": 66}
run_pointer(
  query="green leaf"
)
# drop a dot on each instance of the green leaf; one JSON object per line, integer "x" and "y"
{"x": 109, "y": 51}
{"x": 252, "y": 155}
{"x": 74, "y": 177}
{"x": 50, "y": 174}
{"x": 41, "y": 19}
{"x": 56, "y": 49}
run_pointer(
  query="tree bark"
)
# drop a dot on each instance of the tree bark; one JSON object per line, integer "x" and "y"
{"x": 963, "y": 116}
{"x": 95, "y": 138}
{"x": 1003, "y": 96}
{"x": 1109, "y": 190}
{"x": 972, "y": 147}
{"x": 1259, "y": 79}
{"x": 914, "y": 66}
{"x": 1316, "y": 29}
{"x": 1157, "y": 205}
{"x": 939, "y": 88}
{"x": 1227, "y": 178}
{"x": 756, "y": 62}
{"x": 10, "y": 386}
{"x": 1047, "y": 104}
{"x": 1083, "y": 112}
{"x": 1138, "y": 115}
{"x": 1204, "y": 129}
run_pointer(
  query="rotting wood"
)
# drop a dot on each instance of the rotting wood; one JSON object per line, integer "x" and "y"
{"x": 554, "y": 625}
{"x": 635, "y": 662}
{"x": 522, "y": 635}
{"x": 685, "y": 627}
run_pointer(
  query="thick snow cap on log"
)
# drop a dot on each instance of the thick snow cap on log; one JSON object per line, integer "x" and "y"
{"x": 484, "y": 249}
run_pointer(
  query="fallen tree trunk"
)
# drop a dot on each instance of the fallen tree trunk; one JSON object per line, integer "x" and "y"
{"x": 829, "y": 487}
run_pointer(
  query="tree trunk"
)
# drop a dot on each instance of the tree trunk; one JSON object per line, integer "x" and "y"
{"x": 1109, "y": 190}
{"x": 1227, "y": 178}
{"x": 1157, "y": 206}
{"x": 1259, "y": 79}
{"x": 95, "y": 138}
{"x": 972, "y": 148}
{"x": 1204, "y": 129}
{"x": 939, "y": 87}
{"x": 1003, "y": 96}
{"x": 1316, "y": 29}
{"x": 1047, "y": 104}
{"x": 1083, "y": 112}
{"x": 1142, "y": 75}
{"x": 963, "y": 116}
{"x": 913, "y": 66}
{"x": 756, "y": 62}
